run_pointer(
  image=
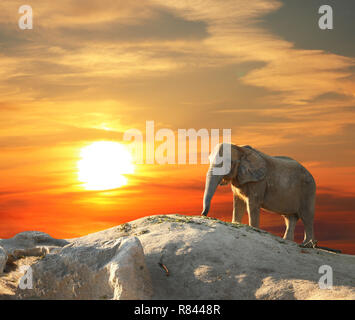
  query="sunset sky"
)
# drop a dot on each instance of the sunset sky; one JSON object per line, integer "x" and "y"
{"x": 90, "y": 70}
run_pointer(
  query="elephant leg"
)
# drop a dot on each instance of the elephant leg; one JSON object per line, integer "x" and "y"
{"x": 254, "y": 214}
{"x": 307, "y": 218}
{"x": 239, "y": 208}
{"x": 290, "y": 221}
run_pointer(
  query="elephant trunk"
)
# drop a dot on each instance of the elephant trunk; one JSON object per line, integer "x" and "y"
{"x": 212, "y": 181}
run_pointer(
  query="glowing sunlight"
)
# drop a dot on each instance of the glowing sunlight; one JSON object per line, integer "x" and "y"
{"x": 103, "y": 164}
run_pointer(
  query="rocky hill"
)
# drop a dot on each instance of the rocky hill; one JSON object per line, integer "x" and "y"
{"x": 170, "y": 257}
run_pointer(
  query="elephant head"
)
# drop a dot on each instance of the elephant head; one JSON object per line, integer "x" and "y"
{"x": 244, "y": 165}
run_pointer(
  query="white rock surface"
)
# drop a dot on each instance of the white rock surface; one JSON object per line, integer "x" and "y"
{"x": 210, "y": 259}
{"x": 3, "y": 259}
{"x": 84, "y": 269}
{"x": 31, "y": 243}
{"x": 187, "y": 258}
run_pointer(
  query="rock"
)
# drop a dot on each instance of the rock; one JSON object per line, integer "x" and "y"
{"x": 30, "y": 252}
{"x": 210, "y": 259}
{"x": 3, "y": 259}
{"x": 84, "y": 269}
{"x": 34, "y": 238}
{"x": 31, "y": 243}
{"x": 186, "y": 257}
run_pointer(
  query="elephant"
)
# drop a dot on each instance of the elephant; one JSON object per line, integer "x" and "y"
{"x": 273, "y": 183}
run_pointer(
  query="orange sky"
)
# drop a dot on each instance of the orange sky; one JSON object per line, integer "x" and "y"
{"x": 89, "y": 70}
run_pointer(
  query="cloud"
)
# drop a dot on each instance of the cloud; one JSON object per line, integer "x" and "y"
{"x": 70, "y": 135}
{"x": 9, "y": 205}
{"x": 54, "y": 14}
{"x": 335, "y": 203}
{"x": 298, "y": 74}
{"x": 163, "y": 27}
{"x": 167, "y": 36}
{"x": 71, "y": 55}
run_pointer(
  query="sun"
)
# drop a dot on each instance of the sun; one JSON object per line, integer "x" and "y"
{"x": 103, "y": 164}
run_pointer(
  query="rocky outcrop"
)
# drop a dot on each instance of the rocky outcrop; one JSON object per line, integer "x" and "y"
{"x": 210, "y": 259}
{"x": 104, "y": 269}
{"x": 31, "y": 243}
{"x": 186, "y": 258}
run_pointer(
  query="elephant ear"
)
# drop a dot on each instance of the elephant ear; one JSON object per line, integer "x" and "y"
{"x": 252, "y": 167}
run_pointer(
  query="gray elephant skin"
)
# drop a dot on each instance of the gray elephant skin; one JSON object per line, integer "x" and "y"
{"x": 274, "y": 183}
